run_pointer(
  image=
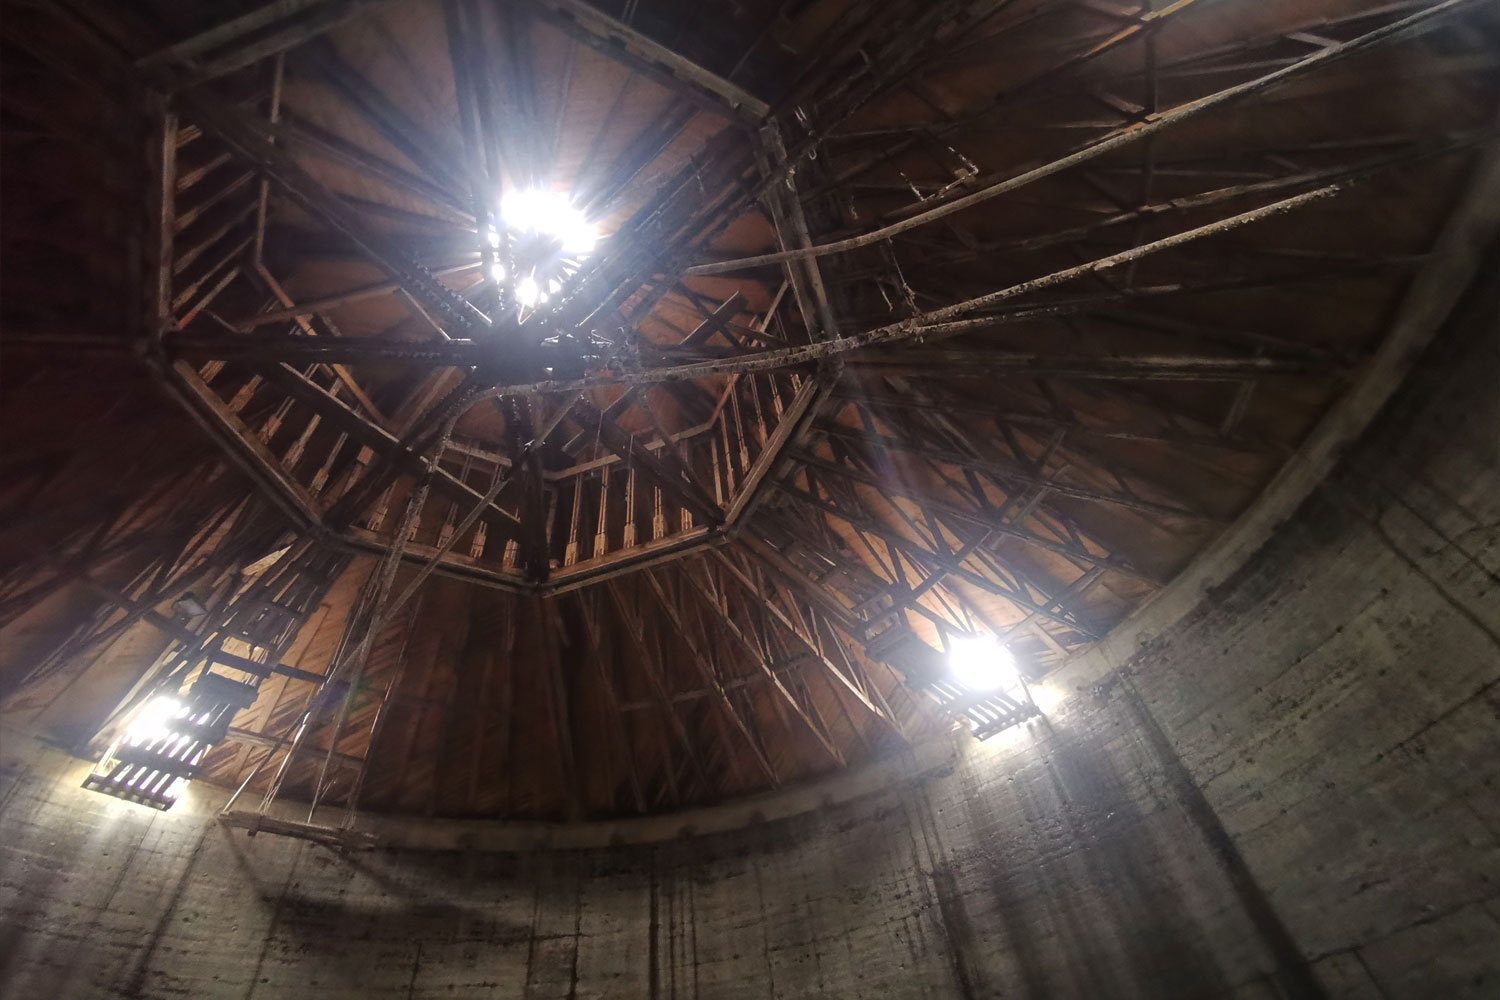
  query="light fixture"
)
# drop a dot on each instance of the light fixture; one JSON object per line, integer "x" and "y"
{"x": 154, "y": 757}
{"x": 160, "y": 749}
{"x": 153, "y": 722}
{"x": 528, "y": 293}
{"x": 550, "y": 214}
{"x": 537, "y": 244}
{"x": 980, "y": 663}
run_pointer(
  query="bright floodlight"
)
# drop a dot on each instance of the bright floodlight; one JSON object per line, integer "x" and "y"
{"x": 151, "y": 724}
{"x": 527, "y": 292}
{"x": 549, "y": 213}
{"x": 980, "y": 663}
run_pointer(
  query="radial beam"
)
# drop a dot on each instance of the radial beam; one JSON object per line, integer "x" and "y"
{"x": 631, "y": 619}
{"x": 244, "y": 448}
{"x": 231, "y": 31}
{"x": 1423, "y": 20}
{"x": 871, "y": 526}
{"x": 385, "y": 444}
{"x": 766, "y": 668}
{"x": 321, "y": 305}
{"x": 632, "y": 449}
{"x": 773, "y": 457}
{"x": 629, "y": 47}
{"x": 702, "y": 661}
{"x": 242, "y": 134}
{"x": 1009, "y": 475}
{"x": 834, "y": 672}
{"x": 272, "y": 28}
{"x": 934, "y": 324}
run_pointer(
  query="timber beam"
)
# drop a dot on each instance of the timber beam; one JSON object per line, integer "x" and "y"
{"x": 748, "y": 586}
{"x": 1014, "y": 479}
{"x": 978, "y": 517}
{"x": 383, "y": 442}
{"x": 244, "y": 134}
{"x": 634, "y": 50}
{"x": 671, "y": 479}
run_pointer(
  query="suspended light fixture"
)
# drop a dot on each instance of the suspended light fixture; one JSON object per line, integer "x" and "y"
{"x": 539, "y": 242}
{"x": 161, "y": 746}
{"x": 154, "y": 721}
{"x": 982, "y": 684}
{"x": 527, "y": 292}
{"x": 551, "y": 214}
{"x": 980, "y": 663}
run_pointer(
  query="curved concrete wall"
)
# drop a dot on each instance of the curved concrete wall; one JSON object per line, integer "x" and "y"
{"x": 1050, "y": 861}
{"x": 1292, "y": 792}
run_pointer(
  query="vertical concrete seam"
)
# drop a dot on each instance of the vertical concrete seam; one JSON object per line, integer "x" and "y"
{"x": 1294, "y": 972}
{"x": 1380, "y": 531}
{"x": 1359, "y": 957}
{"x": 138, "y": 977}
{"x": 265, "y": 947}
{"x": 577, "y": 932}
{"x": 125, "y": 866}
{"x": 653, "y": 935}
{"x": 765, "y": 937}
{"x": 536, "y": 916}
{"x": 926, "y": 861}
{"x": 416, "y": 966}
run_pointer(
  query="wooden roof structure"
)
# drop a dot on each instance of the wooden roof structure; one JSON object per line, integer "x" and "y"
{"x": 909, "y": 319}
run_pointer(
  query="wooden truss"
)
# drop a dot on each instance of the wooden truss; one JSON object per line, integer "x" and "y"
{"x": 856, "y": 472}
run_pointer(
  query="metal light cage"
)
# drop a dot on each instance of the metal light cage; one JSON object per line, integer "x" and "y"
{"x": 155, "y": 758}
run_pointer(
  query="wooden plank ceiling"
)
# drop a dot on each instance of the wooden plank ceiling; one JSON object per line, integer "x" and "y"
{"x": 908, "y": 319}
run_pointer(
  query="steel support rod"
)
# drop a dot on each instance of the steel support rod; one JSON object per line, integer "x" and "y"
{"x": 1423, "y": 20}
{"x": 921, "y": 326}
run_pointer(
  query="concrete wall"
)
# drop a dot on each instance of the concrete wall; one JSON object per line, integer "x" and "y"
{"x": 1055, "y": 865}
{"x": 1337, "y": 700}
{"x": 1292, "y": 791}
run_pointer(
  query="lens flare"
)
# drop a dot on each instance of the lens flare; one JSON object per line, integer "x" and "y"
{"x": 528, "y": 293}
{"x": 980, "y": 663}
{"x": 549, "y": 213}
{"x": 151, "y": 724}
